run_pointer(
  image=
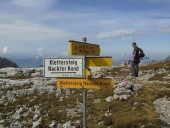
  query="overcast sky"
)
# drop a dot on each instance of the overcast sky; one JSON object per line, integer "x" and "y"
{"x": 44, "y": 27}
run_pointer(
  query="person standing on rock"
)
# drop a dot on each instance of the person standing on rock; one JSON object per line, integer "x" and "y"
{"x": 136, "y": 60}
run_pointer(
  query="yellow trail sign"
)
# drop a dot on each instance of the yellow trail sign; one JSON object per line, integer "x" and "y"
{"x": 81, "y": 48}
{"x": 85, "y": 83}
{"x": 99, "y": 61}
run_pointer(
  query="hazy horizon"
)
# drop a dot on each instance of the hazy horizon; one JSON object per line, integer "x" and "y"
{"x": 116, "y": 56}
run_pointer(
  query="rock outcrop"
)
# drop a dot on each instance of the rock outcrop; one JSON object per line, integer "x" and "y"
{"x": 124, "y": 90}
{"x": 162, "y": 106}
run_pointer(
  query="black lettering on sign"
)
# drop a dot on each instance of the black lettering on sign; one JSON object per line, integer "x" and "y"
{"x": 50, "y": 68}
{"x": 61, "y": 62}
{"x": 73, "y": 68}
{"x": 52, "y": 62}
{"x": 57, "y": 68}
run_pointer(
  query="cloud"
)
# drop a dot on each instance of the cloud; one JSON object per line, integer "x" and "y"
{"x": 40, "y": 51}
{"x": 23, "y": 30}
{"x": 152, "y": 1}
{"x": 159, "y": 1}
{"x": 121, "y": 33}
{"x": 5, "y": 50}
{"x": 108, "y": 22}
{"x": 33, "y": 3}
{"x": 38, "y": 27}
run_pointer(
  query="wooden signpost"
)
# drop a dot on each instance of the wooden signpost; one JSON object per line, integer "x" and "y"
{"x": 75, "y": 72}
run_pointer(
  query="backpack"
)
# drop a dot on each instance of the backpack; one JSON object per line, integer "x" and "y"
{"x": 141, "y": 53}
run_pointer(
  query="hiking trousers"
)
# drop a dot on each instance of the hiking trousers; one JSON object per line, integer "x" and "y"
{"x": 135, "y": 69}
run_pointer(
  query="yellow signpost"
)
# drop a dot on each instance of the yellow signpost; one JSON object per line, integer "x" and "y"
{"x": 86, "y": 49}
{"x": 98, "y": 61}
{"x": 88, "y": 73}
{"x": 85, "y": 83}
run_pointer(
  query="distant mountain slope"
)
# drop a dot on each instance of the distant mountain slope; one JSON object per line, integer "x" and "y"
{"x": 168, "y": 58}
{"x": 7, "y": 63}
{"x": 28, "y": 62}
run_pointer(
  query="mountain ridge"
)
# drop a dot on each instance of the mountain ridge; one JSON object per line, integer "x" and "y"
{"x": 4, "y": 63}
{"x": 168, "y": 58}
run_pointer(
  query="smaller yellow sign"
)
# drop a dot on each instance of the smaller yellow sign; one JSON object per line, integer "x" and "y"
{"x": 99, "y": 61}
{"x": 85, "y": 83}
{"x": 86, "y": 49}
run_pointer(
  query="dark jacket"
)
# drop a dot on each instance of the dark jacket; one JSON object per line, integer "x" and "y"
{"x": 137, "y": 58}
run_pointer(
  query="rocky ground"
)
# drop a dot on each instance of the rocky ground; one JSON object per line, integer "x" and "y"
{"x": 27, "y": 99}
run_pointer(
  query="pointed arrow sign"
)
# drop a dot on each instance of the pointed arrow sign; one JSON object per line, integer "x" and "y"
{"x": 86, "y": 49}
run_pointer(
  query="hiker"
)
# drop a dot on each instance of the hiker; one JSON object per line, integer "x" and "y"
{"x": 136, "y": 60}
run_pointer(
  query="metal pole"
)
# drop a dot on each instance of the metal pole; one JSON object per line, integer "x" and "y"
{"x": 84, "y": 98}
{"x": 84, "y": 109}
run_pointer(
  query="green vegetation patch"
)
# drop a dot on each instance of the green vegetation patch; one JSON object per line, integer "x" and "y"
{"x": 165, "y": 64}
{"x": 120, "y": 71}
{"x": 159, "y": 77}
{"x": 124, "y": 113}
